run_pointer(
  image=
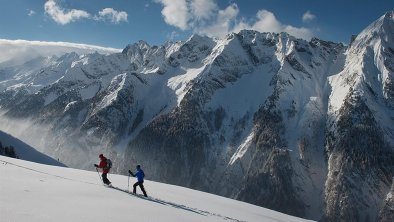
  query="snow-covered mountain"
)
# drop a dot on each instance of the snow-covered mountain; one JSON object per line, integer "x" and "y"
{"x": 360, "y": 126}
{"x": 305, "y": 128}
{"x": 26, "y": 152}
{"x": 35, "y": 192}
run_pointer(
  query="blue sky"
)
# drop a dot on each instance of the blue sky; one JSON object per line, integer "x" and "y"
{"x": 116, "y": 23}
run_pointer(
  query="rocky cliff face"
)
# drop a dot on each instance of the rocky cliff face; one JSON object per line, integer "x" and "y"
{"x": 386, "y": 212}
{"x": 305, "y": 128}
{"x": 359, "y": 141}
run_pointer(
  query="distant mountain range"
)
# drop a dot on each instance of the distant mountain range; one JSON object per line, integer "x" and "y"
{"x": 305, "y": 128}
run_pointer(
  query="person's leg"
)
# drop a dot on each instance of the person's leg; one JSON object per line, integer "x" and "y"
{"x": 142, "y": 188}
{"x": 135, "y": 187}
{"x": 103, "y": 176}
{"x": 108, "y": 182}
{"x": 105, "y": 179}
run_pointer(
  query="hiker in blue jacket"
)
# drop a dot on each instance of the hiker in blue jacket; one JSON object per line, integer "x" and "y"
{"x": 140, "y": 179}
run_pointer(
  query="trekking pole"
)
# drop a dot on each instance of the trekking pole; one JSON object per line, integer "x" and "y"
{"x": 99, "y": 175}
{"x": 128, "y": 183}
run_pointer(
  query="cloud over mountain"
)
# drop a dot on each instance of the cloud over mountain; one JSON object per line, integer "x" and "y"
{"x": 205, "y": 17}
{"x": 19, "y": 51}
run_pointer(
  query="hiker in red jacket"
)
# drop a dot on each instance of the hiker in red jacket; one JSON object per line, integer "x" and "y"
{"x": 103, "y": 164}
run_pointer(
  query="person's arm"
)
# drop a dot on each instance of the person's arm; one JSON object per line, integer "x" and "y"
{"x": 101, "y": 165}
{"x": 131, "y": 173}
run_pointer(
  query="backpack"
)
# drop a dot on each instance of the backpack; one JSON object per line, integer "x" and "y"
{"x": 109, "y": 164}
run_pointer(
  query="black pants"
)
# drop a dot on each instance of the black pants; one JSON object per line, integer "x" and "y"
{"x": 141, "y": 184}
{"x": 105, "y": 179}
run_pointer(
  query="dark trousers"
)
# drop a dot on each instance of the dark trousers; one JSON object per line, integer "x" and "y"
{"x": 141, "y": 184}
{"x": 105, "y": 179}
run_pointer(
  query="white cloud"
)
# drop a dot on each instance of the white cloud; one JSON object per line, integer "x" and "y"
{"x": 302, "y": 32}
{"x": 19, "y": 51}
{"x": 31, "y": 13}
{"x": 60, "y": 16}
{"x": 222, "y": 24}
{"x": 112, "y": 15}
{"x": 308, "y": 16}
{"x": 63, "y": 17}
{"x": 175, "y": 13}
{"x": 187, "y": 14}
{"x": 205, "y": 17}
{"x": 171, "y": 36}
{"x": 202, "y": 9}
{"x": 266, "y": 21}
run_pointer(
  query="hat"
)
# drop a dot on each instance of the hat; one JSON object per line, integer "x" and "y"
{"x": 138, "y": 166}
{"x": 101, "y": 155}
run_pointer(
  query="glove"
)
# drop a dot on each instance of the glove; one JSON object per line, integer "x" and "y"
{"x": 96, "y": 165}
{"x": 130, "y": 172}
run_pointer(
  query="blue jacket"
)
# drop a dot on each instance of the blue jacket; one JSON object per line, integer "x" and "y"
{"x": 140, "y": 175}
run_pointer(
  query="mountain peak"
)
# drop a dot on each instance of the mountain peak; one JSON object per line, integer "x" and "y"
{"x": 319, "y": 42}
{"x": 389, "y": 15}
{"x": 382, "y": 29}
{"x": 140, "y": 45}
{"x": 196, "y": 37}
{"x": 388, "y": 23}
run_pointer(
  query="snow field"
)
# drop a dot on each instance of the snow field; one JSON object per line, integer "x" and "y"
{"x": 36, "y": 192}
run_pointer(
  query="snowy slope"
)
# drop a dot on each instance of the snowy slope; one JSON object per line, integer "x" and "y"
{"x": 26, "y": 152}
{"x": 35, "y": 192}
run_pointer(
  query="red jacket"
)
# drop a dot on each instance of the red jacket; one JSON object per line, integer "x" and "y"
{"x": 103, "y": 165}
